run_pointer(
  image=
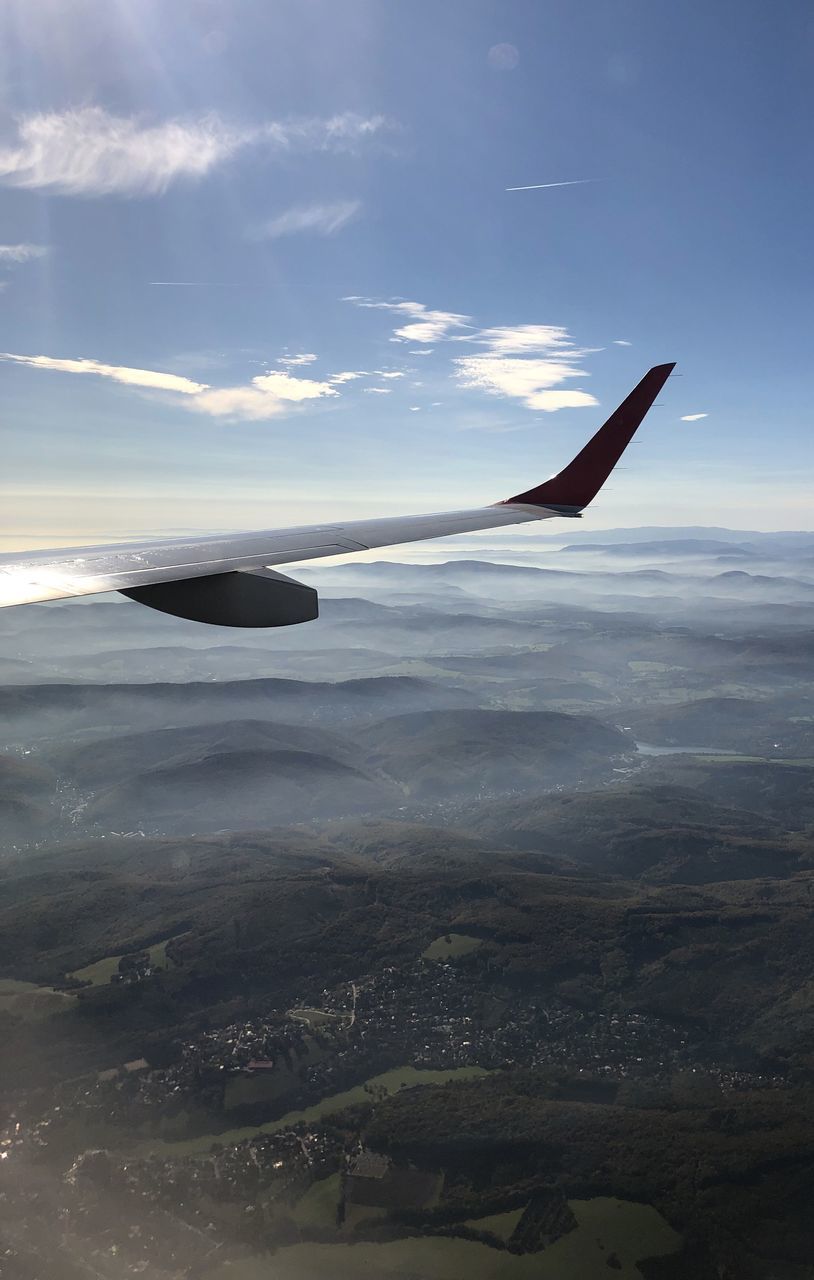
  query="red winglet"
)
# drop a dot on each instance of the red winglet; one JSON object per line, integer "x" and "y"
{"x": 582, "y": 479}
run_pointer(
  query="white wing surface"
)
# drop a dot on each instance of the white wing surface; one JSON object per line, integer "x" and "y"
{"x": 228, "y": 580}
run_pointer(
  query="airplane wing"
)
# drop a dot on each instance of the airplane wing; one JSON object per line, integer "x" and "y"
{"x": 229, "y": 581}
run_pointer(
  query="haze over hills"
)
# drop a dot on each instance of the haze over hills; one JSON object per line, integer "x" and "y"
{"x": 552, "y": 824}
{"x": 445, "y": 754}
{"x": 665, "y": 834}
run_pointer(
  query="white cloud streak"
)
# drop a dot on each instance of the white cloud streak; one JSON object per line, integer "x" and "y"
{"x": 377, "y": 391}
{"x": 321, "y": 219}
{"x": 526, "y": 362}
{"x": 16, "y": 253}
{"x": 148, "y": 378}
{"x": 91, "y": 152}
{"x": 533, "y": 382}
{"x": 425, "y": 325}
{"x": 305, "y": 357}
{"x": 266, "y": 396}
{"x": 543, "y": 186}
{"x": 351, "y": 375}
{"x": 694, "y": 417}
{"x": 622, "y": 342}
{"x": 521, "y": 339}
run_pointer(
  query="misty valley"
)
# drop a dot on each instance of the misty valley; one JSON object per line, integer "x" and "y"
{"x": 465, "y": 930}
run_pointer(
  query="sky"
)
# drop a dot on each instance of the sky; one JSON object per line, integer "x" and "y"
{"x": 268, "y": 264}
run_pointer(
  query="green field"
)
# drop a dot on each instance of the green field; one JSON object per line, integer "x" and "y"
{"x": 450, "y": 945}
{"x": 498, "y": 1224}
{"x": 28, "y": 1001}
{"x": 390, "y": 1081}
{"x": 102, "y": 971}
{"x": 268, "y": 1086}
{"x": 317, "y": 1208}
{"x": 606, "y": 1226}
{"x": 317, "y": 1017}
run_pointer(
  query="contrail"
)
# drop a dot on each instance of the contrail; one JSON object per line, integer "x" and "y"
{"x": 540, "y": 186}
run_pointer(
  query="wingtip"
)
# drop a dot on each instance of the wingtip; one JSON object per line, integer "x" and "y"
{"x": 578, "y": 483}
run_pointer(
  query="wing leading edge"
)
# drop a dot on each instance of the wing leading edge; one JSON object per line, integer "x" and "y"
{"x": 167, "y": 575}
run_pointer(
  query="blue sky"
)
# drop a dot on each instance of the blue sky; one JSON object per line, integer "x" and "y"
{"x": 268, "y": 162}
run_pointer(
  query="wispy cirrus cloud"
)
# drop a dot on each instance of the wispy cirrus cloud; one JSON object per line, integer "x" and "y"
{"x": 88, "y": 151}
{"x": 424, "y": 325}
{"x": 622, "y": 342}
{"x": 266, "y": 396}
{"x": 16, "y": 253}
{"x": 520, "y": 339}
{"x": 531, "y": 363}
{"x": 694, "y": 417}
{"x": 351, "y": 375}
{"x": 526, "y": 362}
{"x": 534, "y": 382}
{"x": 321, "y": 219}
{"x": 148, "y": 378}
{"x": 305, "y": 357}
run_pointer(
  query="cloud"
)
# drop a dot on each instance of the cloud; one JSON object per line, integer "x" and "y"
{"x": 322, "y": 219}
{"x": 532, "y": 381}
{"x": 522, "y": 339}
{"x": 21, "y": 252}
{"x": 425, "y": 326}
{"x": 349, "y": 375}
{"x": 415, "y": 408}
{"x": 88, "y": 151}
{"x": 267, "y": 396}
{"x": 503, "y": 57}
{"x": 526, "y": 362}
{"x": 543, "y": 186}
{"x": 622, "y": 342}
{"x": 149, "y": 378}
{"x": 306, "y": 357}
{"x": 694, "y": 417}
{"x": 425, "y": 351}
{"x": 377, "y": 391}
{"x": 194, "y": 284}
{"x": 352, "y": 374}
